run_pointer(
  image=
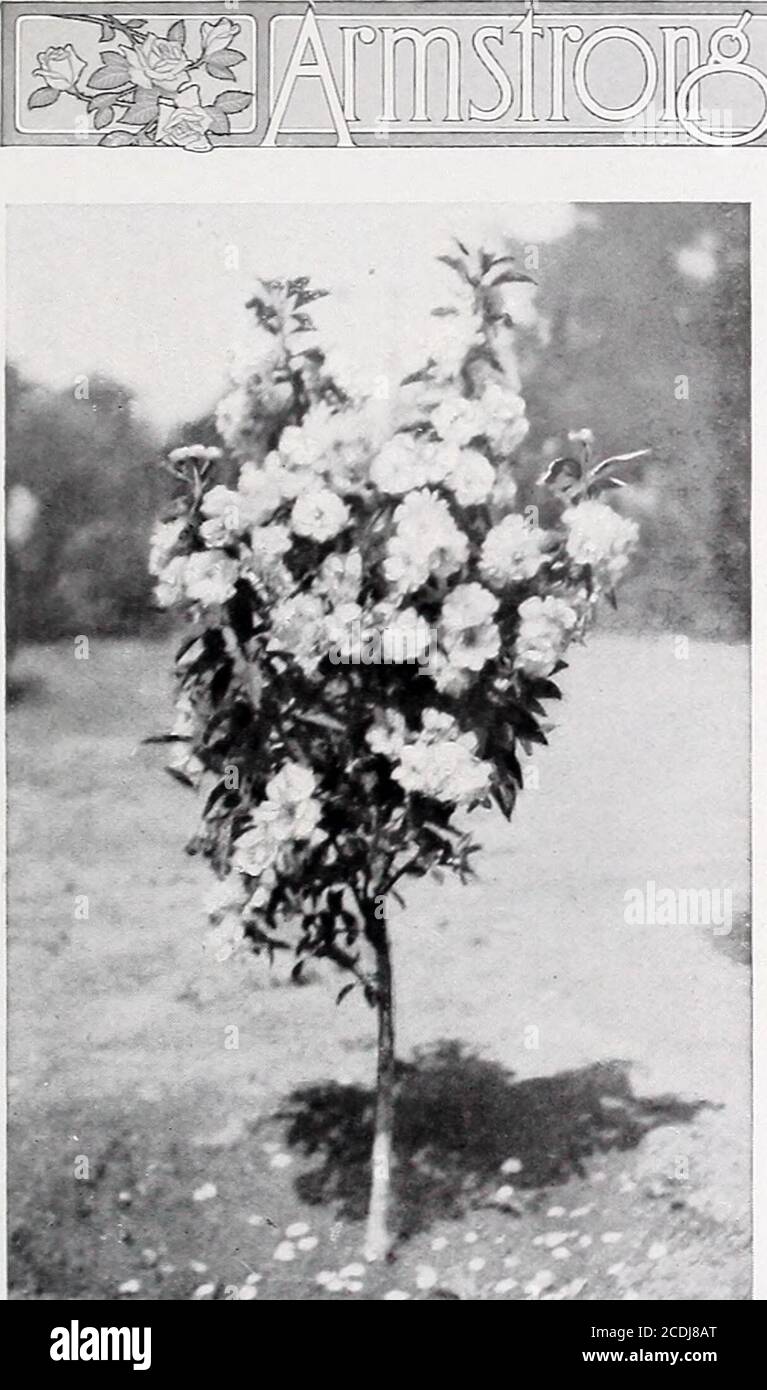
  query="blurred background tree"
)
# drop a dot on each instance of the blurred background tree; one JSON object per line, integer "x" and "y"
{"x": 646, "y": 340}
{"x": 90, "y": 464}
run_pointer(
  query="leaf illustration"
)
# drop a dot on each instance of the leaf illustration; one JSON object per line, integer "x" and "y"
{"x": 229, "y": 57}
{"x": 141, "y": 112}
{"x": 108, "y": 79}
{"x": 101, "y": 99}
{"x": 102, "y": 117}
{"x": 117, "y": 137}
{"x": 233, "y": 101}
{"x": 220, "y": 71}
{"x": 177, "y": 32}
{"x": 219, "y": 121}
{"x": 44, "y": 96}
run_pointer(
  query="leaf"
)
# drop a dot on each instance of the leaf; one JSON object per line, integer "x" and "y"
{"x": 175, "y": 772}
{"x": 107, "y": 33}
{"x": 457, "y": 266}
{"x": 325, "y": 721}
{"x": 228, "y": 57}
{"x": 421, "y": 375}
{"x": 44, "y": 96}
{"x": 215, "y": 68}
{"x": 545, "y": 689}
{"x": 108, "y": 79}
{"x": 103, "y": 117}
{"x": 135, "y": 23}
{"x": 219, "y": 121}
{"x": 117, "y": 137}
{"x": 513, "y": 277}
{"x": 177, "y": 32}
{"x": 347, "y": 989}
{"x": 164, "y": 738}
{"x": 140, "y": 114}
{"x": 101, "y": 99}
{"x": 230, "y": 102}
{"x": 505, "y": 799}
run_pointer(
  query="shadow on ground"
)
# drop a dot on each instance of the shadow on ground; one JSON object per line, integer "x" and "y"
{"x": 459, "y": 1117}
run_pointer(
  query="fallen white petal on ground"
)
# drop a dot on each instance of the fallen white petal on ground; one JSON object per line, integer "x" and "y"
{"x": 505, "y": 1285}
{"x": 511, "y": 1165}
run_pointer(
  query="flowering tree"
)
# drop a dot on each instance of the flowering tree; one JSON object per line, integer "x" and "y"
{"x": 374, "y": 631}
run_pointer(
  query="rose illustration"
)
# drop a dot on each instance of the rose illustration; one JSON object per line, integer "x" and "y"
{"x": 185, "y": 122}
{"x": 158, "y": 63}
{"x": 216, "y": 37}
{"x": 60, "y": 68}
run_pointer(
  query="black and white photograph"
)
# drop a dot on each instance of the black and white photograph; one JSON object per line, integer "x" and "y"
{"x": 378, "y": 613}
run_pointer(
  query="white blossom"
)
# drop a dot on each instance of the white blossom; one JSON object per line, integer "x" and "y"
{"x": 298, "y": 627}
{"x": 388, "y": 734}
{"x": 402, "y": 464}
{"x": 210, "y": 576}
{"x": 468, "y": 633}
{"x": 426, "y": 541}
{"x": 340, "y": 577}
{"x": 259, "y": 491}
{"x": 290, "y": 812}
{"x": 511, "y": 552}
{"x": 458, "y": 419}
{"x": 319, "y": 514}
{"x": 471, "y": 478}
{"x": 600, "y": 537}
{"x": 170, "y": 584}
{"x": 505, "y": 422}
{"x": 445, "y": 769}
{"x": 545, "y": 629}
{"x": 165, "y": 535}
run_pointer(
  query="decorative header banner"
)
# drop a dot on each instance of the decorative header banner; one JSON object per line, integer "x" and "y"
{"x": 271, "y": 74}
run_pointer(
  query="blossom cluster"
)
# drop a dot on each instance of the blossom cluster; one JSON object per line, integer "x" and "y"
{"x": 345, "y": 521}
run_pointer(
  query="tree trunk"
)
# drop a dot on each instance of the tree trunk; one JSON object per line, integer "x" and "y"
{"x": 379, "y": 1237}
